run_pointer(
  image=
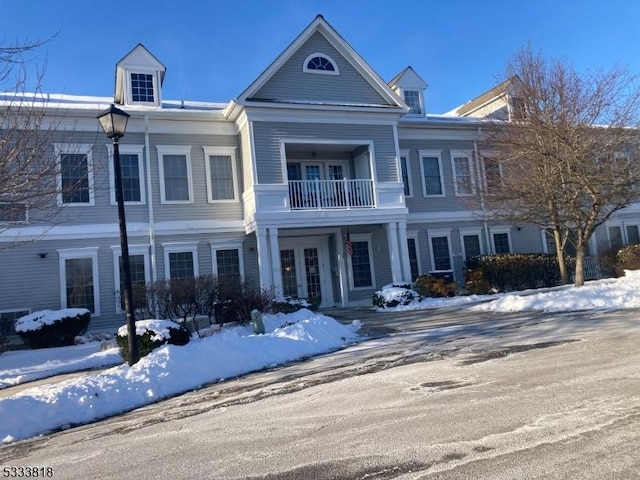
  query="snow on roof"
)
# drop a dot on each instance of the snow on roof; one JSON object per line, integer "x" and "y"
{"x": 57, "y": 100}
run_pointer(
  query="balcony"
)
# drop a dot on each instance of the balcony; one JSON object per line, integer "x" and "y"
{"x": 331, "y": 194}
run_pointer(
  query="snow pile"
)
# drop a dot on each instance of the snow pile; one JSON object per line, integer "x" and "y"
{"x": 405, "y": 299}
{"x": 610, "y": 294}
{"x": 170, "y": 370}
{"x": 36, "y": 320}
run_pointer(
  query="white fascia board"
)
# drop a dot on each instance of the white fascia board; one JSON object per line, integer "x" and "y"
{"x": 322, "y": 116}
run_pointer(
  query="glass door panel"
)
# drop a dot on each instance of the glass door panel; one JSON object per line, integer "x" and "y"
{"x": 289, "y": 275}
{"x": 312, "y": 273}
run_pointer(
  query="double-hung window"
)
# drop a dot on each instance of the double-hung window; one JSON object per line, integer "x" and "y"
{"x": 13, "y": 212}
{"x": 414, "y": 263}
{"x": 75, "y": 174}
{"x": 471, "y": 242}
{"x": 220, "y": 165}
{"x": 176, "y": 184}
{"x": 492, "y": 175}
{"x": 79, "y": 279}
{"x": 228, "y": 264}
{"x": 463, "y": 178}
{"x": 432, "y": 178}
{"x": 132, "y": 170}
{"x": 440, "y": 251}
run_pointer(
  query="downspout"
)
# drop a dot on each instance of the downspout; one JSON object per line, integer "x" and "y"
{"x": 485, "y": 225}
{"x": 152, "y": 232}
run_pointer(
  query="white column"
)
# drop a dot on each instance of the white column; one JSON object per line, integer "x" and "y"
{"x": 276, "y": 273}
{"x": 342, "y": 267}
{"x": 264, "y": 259}
{"x": 404, "y": 252}
{"x": 394, "y": 251}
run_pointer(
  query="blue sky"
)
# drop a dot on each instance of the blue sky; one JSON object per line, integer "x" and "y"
{"x": 213, "y": 49}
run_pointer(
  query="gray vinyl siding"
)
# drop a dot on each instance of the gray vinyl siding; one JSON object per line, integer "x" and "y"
{"x": 200, "y": 209}
{"x": 291, "y": 83}
{"x": 267, "y": 138}
{"x": 450, "y": 202}
{"x": 526, "y": 240}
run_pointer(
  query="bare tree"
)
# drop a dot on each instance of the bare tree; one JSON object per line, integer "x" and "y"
{"x": 28, "y": 169}
{"x": 569, "y": 157}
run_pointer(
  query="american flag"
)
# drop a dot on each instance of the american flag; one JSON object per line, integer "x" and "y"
{"x": 348, "y": 245}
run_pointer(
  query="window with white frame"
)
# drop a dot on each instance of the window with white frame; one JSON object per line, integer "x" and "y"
{"x": 180, "y": 260}
{"x": 405, "y": 172}
{"x": 432, "y": 177}
{"x": 220, "y": 165}
{"x": 132, "y": 169}
{"x": 176, "y": 184}
{"x": 79, "y": 279}
{"x": 142, "y": 88}
{"x": 320, "y": 63}
{"x": 441, "y": 251}
{"x": 463, "y": 178}
{"x": 501, "y": 240}
{"x": 413, "y": 98}
{"x": 139, "y": 267}
{"x": 361, "y": 261}
{"x": 75, "y": 174}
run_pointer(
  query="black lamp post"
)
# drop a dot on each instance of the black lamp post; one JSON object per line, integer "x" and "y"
{"x": 114, "y": 123}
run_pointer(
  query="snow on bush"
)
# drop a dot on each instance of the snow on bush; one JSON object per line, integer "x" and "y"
{"x": 159, "y": 330}
{"x": 152, "y": 334}
{"x": 394, "y": 294}
{"x": 36, "y": 320}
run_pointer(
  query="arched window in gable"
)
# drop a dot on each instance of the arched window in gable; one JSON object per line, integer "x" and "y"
{"x": 320, "y": 63}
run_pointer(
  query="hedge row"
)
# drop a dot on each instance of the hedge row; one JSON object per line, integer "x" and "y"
{"x": 512, "y": 271}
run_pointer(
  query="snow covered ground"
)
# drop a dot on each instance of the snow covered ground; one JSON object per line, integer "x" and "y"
{"x": 234, "y": 351}
{"x": 167, "y": 371}
{"x": 608, "y": 294}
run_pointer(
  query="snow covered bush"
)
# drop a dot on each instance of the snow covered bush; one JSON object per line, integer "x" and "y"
{"x": 395, "y": 294}
{"x": 53, "y": 328}
{"x": 152, "y": 334}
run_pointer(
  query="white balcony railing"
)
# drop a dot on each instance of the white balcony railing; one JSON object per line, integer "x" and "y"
{"x": 331, "y": 194}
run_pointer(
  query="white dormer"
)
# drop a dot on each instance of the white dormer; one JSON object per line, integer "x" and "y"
{"x": 410, "y": 86}
{"x": 139, "y": 77}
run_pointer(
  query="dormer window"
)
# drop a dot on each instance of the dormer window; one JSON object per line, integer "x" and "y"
{"x": 320, "y": 63}
{"x": 413, "y": 99}
{"x": 142, "y": 88}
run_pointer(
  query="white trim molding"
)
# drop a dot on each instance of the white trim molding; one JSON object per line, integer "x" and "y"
{"x": 362, "y": 237}
{"x": 133, "y": 250}
{"x": 439, "y": 233}
{"x": 500, "y": 230}
{"x": 406, "y": 155}
{"x": 229, "y": 245}
{"x": 335, "y": 70}
{"x": 472, "y": 179}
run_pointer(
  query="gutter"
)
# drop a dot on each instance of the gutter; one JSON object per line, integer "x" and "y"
{"x": 152, "y": 232}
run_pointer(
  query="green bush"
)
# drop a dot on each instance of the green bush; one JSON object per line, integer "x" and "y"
{"x": 151, "y": 334}
{"x": 53, "y": 328}
{"x": 433, "y": 286}
{"x": 627, "y": 258}
{"x": 515, "y": 271}
{"x": 394, "y": 294}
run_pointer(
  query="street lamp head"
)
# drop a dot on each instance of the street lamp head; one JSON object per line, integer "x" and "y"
{"x": 113, "y": 121}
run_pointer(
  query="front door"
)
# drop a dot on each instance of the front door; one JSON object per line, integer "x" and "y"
{"x": 305, "y": 269}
